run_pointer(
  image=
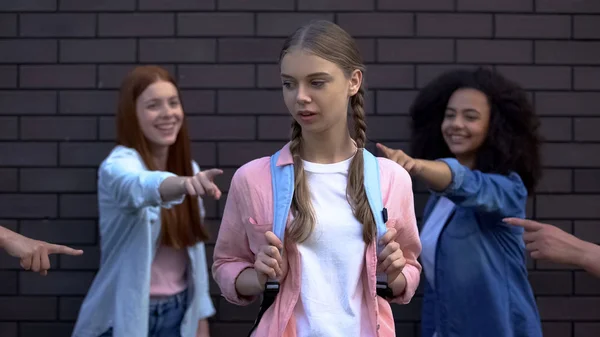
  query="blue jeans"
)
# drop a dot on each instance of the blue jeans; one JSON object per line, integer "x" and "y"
{"x": 165, "y": 317}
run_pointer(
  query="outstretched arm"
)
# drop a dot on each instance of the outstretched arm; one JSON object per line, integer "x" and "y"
{"x": 32, "y": 253}
{"x": 548, "y": 242}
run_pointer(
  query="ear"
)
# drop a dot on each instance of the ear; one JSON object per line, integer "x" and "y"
{"x": 356, "y": 78}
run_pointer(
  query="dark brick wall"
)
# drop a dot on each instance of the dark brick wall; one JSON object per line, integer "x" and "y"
{"x": 61, "y": 62}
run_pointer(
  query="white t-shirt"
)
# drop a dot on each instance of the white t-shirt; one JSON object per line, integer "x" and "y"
{"x": 331, "y": 301}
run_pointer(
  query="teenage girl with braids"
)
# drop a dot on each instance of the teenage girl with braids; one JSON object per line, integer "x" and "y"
{"x": 328, "y": 267}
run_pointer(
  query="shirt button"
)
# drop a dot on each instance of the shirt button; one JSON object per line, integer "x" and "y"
{"x": 377, "y": 326}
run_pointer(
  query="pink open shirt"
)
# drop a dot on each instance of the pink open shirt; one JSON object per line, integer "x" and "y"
{"x": 248, "y": 215}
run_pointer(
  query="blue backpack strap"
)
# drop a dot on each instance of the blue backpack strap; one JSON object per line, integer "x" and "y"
{"x": 282, "y": 180}
{"x": 373, "y": 190}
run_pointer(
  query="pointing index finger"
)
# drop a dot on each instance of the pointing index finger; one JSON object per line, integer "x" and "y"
{"x": 58, "y": 249}
{"x": 528, "y": 225}
{"x": 386, "y": 150}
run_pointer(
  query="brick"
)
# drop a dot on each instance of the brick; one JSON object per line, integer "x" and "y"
{"x": 199, "y": 101}
{"x": 495, "y": 5}
{"x": 54, "y": 329}
{"x": 97, "y": 6}
{"x": 136, "y": 24}
{"x": 8, "y": 76}
{"x": 390, "y": 76}
{"x": 586, "y": 78}
{"x": 555, "y": 181}
{"x": 568, "y": 206}
{"x": 567, "y": 103}
{"x": 454, "y": 25}
{"x": 28, "y": 51}
{"x": 561, "y": 283}
{"x": 107, "y": 128}
{"x": 97, "y": 50}
{"x": 533, "y": 26}
{"x": 587, "y": 181}
{"x": 28, "y": 308}
{"x": 222, "y": 128}
{"x": 588, "y": 230}
{"x": 110, "y": 76}
{"x": 27, "y": 154}
{"x": 587, "y": 329}
{"x": 78, "y": 206}
{"x": 556, "y": 128}
{"x": 567, "y": 52}
{"x": 427, "y": 73}
{"x": 567, "y": 6}
{"x": 83, "y": 154}
{"x": 58, "y": 128}
{"x": 245, "y": 50}
{"x": 69, "y": 307}
{"x": 406, "y": 329}
{"x": 284, "y": 24}
{"x": 215, "y": 24}
{"x": 377, "y": 24}
{"x": 411, "y": 5}
{"x": 90, "y": 260}
{"x": 382, "y": 128}
{"x": 57, "y": 180}
{"x": 244, "y": 102}
{"x": 274, "y": 127}
{"x": 556, "y": 329}
{"x": 539, "y": 77}
{"x": 176, "y": 5}
{"x": 580, "y": 155}
{"x": 563, "y": 308}
{"x": 8, "y": 329}
{"x": 586, "y": 26}
{"x": 586, "y": 129}
{"x": 336, "y": 5}
{"x": 239, "y": 153}
{"x": 8, "y": 25}
{"x": 26, "y": 6}
{"x": 57, "y": 25}
{"x": 8, "y": 180}
{"x": 55, "y": 283}
{"x": 216, "y": 76}
{"x": 367, "y": 49}
{"x": 205, "y": 154}
{"x": 394, "y": 102}
{"x": 8, "y": 128}
{"x": 88, "y": 102}
{"x": 57, "y": 76}
{"x": 586, "y": 284}
{"x": 8, "y": 283}
{"x": 28, "y": 206}
{"x": 64, "y": 232}
{"x": 415, "y": 50}
{"x": 268, "y": 76}
{"x": 255, "y": 5}
{"x": 494, "y": 51}
{"x": 177, "y": 50}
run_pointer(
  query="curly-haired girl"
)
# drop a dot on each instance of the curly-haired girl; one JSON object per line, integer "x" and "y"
{"x": 475, "y": 137}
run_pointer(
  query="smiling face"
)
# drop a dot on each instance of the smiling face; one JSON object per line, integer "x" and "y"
{"x": 160, "y": 114}
{"x": 316, "y": 91}
{"x": 466, "y": 123}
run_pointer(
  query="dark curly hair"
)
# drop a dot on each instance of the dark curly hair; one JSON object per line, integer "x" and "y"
{"x": 512, "y": 142}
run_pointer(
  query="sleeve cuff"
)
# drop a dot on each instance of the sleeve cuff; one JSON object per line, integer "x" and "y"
{"x": 458, "y": 176}
{"x": 411, "y": 273}
{"x": 234, "y": 269}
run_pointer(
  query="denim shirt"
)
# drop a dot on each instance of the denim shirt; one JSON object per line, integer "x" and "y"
{"x": 481, "y": 283}
{"x": 129, "y": 222}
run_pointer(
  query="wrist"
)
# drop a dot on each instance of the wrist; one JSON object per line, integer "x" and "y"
{"x": 587, "y": 253}
{"x": 397, "y": 283}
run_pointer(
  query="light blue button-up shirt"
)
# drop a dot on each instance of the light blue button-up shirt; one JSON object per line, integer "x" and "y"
{"x": 129, "y": 205}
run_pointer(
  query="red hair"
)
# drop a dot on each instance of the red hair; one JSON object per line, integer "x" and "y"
{"x": 181, "y": 225}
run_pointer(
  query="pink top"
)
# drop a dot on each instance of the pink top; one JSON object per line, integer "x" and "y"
{"x": 168, "y": 273}
{"x": 248, "y": 215}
